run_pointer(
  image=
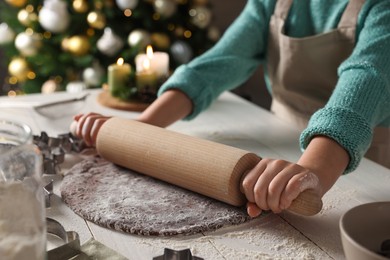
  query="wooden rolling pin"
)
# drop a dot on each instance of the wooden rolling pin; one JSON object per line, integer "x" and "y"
{"x": 209, "y": 168}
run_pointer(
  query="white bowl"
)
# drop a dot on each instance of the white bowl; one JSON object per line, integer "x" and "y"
{"x": 363, "y": 230}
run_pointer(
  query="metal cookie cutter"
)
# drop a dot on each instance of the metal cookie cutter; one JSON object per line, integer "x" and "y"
{"x": 170, "y": 254}
{"x": 70, "y": 249}
{"x": 48, "y": 191}
{"x": 53, "y": 149}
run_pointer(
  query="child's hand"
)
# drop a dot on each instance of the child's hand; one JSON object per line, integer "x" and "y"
{"x": 87, "y": 126}
{"x": 274, "y": 184}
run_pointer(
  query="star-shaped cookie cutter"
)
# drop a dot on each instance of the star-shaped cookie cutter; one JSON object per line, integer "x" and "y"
{"x": 53, "y": 151}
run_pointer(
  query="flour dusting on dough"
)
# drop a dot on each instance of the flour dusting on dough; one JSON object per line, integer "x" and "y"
{"x": 119, "y": 199}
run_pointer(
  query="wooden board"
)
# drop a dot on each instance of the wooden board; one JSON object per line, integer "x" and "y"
{"x": 106, "y": 99}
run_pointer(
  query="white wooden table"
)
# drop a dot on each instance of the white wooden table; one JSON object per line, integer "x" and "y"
{"x": 233, "y": 121}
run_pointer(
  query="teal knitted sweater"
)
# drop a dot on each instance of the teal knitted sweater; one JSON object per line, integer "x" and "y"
{"x": 361, "y": 99}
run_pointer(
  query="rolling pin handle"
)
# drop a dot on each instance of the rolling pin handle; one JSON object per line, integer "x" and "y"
{"x": 308, "y": 203}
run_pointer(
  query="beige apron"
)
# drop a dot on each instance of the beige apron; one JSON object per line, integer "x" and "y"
{"x": 303, "y": 71}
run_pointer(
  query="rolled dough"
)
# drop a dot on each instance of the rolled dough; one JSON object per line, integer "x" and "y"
{"x": 120, "y": 199}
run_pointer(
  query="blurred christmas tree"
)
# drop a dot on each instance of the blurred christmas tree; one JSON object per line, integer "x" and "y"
{"x": 53, "y": 42}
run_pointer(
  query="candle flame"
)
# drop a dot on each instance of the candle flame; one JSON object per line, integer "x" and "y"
{"x": 149, "y": 51}
{"x": 146, "y": 64}
{"x": 120, "y": 61}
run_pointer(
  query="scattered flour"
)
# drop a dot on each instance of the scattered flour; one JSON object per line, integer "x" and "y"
{"x": 267, "y": 237}
{"x": 22, "y": 223}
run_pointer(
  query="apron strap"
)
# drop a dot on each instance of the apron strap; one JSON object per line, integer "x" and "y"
{"x": 351, "y": 13}
{"x": 348, "y": 19}
{"x": 282, "y": 8}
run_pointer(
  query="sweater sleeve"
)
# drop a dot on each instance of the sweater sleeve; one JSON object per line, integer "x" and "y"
{"x": 228, "y": 64}
{"x": 361, "y": 99}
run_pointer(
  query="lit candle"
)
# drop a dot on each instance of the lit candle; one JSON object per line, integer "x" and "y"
{"x": 159, "y": 62}
{"x": 119, "y": 77}
{"x": 146, "y": 79}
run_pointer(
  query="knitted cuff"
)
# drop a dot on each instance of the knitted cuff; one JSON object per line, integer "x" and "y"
{"x": 181, "y": 80}
{"x": 345, "y": 127}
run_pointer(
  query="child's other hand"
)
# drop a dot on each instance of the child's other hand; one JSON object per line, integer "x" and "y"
{"x": 87, "y": 126}
{"x": 274, "y": 184}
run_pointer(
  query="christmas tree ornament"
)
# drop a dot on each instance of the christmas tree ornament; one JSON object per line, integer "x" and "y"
{"x": 110, "y": 43}
{"x": 65, "y": 44}
{"x": 181, "y": 52}
{"x": 160, "y": 40}
{"x": 213, "y": 33}
{"x": 165, "y": 8}
{"x": 27, "y": 18}
{"x": 92, "y": 76}
{"x": 17, "y": 3}
{"x": 187, "y": 34}
{"x": 179, "y": 31}
{"x": 80, "y": 6}
{"x": 164, "y": 24}
{"x": 75, "y": 87}
{"x": 7, "y": 35}
{"x": 96, "y": 20}
{"x": 126, "y": 4}
{"x": 54, "y": 16}
{"x": 127, "y": 12}
{"x": 139, "y": 38}
{"x": 77, "y": 45}
{"x": 28, "y": 43}
{"x": 18, "y": 68}
{"x": 200, "y": 16}
{"x": 50, "y": 86}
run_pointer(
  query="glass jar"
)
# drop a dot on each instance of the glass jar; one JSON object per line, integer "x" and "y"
{"x": 13, "y": 134}
{"x": 22, "y": 203}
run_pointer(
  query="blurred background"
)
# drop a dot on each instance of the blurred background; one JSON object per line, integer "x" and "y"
{"x": 200, "y": 21}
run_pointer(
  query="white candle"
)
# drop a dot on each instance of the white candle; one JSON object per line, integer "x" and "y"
{"x": 159, "y": 62}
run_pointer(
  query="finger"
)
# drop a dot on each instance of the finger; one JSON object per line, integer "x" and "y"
{"x": 250, "y": 179}
{"x": 81, "y": 122}
{"x": 253, "y": 210}
{"x": 261, "y": 187}
{"x": 95, "y": 129}
{"x": 278, "y": 185}
{"x": 297, "y": 184}
{"x": 87, "y": 128}
{"x": 77, "y": 117}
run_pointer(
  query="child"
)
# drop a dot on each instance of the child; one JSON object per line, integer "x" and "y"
{"x": 327, "y": 66}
